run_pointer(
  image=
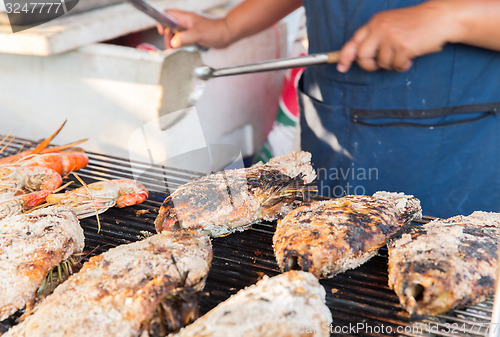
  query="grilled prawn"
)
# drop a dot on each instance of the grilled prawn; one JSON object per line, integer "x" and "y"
{"x": 40, "y": 149}
{"x": 330, "y": 237}
{"x": 445, "y": 264}
{"x": 228, "y": 201}
{"x": 100, "y": 196}
{"x": 30, "y": 246}
{"x": 13, "y": 205}
{"x": 16, "y": 180}
{"x": 119, "y": 292}
{"x": 63, "y": 162}
{"x": 22, "y": 188}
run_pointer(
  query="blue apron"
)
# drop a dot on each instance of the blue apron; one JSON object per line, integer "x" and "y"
{"x": 433, "y": 131}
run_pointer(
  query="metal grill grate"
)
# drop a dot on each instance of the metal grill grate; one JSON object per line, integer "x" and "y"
{"x": 360, "y": 300}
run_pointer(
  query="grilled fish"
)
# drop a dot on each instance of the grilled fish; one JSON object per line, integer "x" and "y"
{"x": 329, "y": 237}
{"x": 290, "y": 304}
{"x": 445, "y": 264}
{"x": 31, "y": 245}
{"x": 118, "y": 292}
{"x": 229, "y": 201}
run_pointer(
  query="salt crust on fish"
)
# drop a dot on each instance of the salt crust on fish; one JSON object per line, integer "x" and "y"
{"x": 118, "y": 292}
{"x": 31, "y": 245}
{"x": 290, "y": 304}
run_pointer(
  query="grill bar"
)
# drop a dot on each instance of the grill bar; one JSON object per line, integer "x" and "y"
{"x": 359, "y": 298}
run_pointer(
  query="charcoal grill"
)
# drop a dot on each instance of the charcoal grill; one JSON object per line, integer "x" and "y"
{"x": 360, "y": 300}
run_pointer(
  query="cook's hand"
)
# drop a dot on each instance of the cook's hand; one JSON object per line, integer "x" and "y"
{"x": 392, "y": 39}
{"x": 207, "y": 32}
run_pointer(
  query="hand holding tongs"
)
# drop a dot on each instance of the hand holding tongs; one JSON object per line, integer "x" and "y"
{"x": 161, "y": 17}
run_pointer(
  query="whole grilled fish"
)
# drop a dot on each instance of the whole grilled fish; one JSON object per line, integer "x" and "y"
{"x": 329, "y": 237}
{"x": 119, "y": 292}
{"x": 290, "y": 304}
{"x": 445, "y": 264}
{"x": 228, "y": 201}
{"x": 31, "y": 245}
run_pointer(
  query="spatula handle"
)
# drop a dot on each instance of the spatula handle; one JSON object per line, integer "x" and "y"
{"x": 333, "y": 56}
{"x": 301, "y": 61}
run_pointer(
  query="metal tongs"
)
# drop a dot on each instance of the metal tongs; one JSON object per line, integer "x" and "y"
{"x": 161, "y": 17}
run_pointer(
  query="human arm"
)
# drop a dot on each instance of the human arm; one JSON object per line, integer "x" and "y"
{"x": 247, "y": 18}
{"x": 393, "y": 38}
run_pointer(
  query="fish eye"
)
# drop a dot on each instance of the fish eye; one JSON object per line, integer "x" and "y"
{"x": 177, "y": 226}
{"x": 417, "y": 292}
{"x": 292, "y": 263}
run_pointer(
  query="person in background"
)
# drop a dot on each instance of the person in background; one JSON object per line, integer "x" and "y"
{"x": 412, "y": 105}
{"x": 283, "y": 136}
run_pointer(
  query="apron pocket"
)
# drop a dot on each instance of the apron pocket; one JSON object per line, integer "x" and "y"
{"x": 450, "y": 162}
{"x": 424, "y": 118}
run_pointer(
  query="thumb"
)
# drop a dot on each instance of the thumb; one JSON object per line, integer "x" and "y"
{"x": 349, "y": 51}
{"x": 184, "y": 38}
{"x": 347, "y": 57}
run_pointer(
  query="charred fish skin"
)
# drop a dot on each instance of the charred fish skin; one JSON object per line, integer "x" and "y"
{"x": 290, "y": 304}
{"x": 329, "y": 237}
{"x": 118, "y": 292}
{"x": 31, "y": 245}
{"x": 445, "y": 264}
{"x": 228, "y": 201}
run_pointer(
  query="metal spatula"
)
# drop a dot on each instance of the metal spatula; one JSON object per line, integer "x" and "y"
{"x": 186, "y": 76}
{"x": 205, "y": 73}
